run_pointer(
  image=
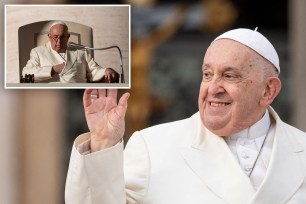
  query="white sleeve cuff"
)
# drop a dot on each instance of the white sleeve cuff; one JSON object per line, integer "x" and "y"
{"x": 84, "y": 148}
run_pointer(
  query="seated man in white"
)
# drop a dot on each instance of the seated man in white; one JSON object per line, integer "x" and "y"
{"x": 54, "y": 62}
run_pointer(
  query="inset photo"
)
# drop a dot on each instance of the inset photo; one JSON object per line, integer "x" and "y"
{"x": 67, "y": 46}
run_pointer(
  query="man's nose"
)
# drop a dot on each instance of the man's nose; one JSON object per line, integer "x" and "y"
{"x": 58, "y": 41}
{"x": 215, "y": 86}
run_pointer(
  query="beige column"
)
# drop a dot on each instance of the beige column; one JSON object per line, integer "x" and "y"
{"x": 41, "y": 147}
{"x": 297, "y": 33}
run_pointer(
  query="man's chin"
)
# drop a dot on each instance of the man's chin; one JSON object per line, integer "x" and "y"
{"x": 216, "y": 125}
{"x": 59, "y": 49}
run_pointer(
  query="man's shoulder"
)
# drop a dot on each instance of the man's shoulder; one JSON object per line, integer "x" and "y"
{"x": 288, "y": 129}
{"x": 295, "y": 133}
{"x": 41, "y": 48}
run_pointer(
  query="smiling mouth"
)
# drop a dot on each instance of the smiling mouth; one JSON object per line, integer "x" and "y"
{"x": 218, "y": 104}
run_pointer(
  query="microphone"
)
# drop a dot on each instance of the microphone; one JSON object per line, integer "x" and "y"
{"x": 82, "y": 47}
{"x": 76, "y": 46}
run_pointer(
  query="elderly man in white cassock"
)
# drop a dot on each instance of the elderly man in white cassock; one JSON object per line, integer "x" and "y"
{"x": 54, "y": 62}
{"x": 234, "y": 150}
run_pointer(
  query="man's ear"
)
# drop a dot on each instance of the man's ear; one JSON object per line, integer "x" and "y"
{"x": 272, "y": 89}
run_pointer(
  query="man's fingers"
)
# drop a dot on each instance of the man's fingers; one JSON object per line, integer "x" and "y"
{"x": 112, "y": 93}
{"x": 87, "y": 97}
{"x": 122, "y": 105}
{"x": 92, "y": 94}
{"x": 101, "y": 93}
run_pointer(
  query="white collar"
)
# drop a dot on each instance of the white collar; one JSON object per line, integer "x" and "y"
{"x": 259, "y": 129}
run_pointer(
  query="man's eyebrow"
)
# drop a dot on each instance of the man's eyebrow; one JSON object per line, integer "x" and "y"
{"x": 231, "y": 69}
{"x": 206, "y": 65}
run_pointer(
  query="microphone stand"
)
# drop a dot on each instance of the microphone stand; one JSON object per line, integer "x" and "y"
{"x": 78, "y": 46}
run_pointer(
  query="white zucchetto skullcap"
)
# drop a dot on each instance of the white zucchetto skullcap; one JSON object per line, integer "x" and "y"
{"x": 254, "y": 40}
{"x": 57, "y": 23}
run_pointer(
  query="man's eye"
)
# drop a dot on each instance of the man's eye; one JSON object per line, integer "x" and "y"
{"x": 207, "y": 75}
{"x": 231, "y": 76}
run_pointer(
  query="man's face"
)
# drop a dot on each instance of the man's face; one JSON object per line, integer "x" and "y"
{"x": 58, "y": 37}
{"x": 231, "y": 89}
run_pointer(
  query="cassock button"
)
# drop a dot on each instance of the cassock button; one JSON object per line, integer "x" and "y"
{"x": 247, "y": 168}
{"x": 241, "y": 142}
{"x": 245, "y": 156}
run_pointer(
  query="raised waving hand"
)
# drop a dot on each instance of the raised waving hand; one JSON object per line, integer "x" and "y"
{"x": 105, "y": 118}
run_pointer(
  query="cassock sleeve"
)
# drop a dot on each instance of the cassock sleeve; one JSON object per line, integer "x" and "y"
{"x": 100, "y": 177}
{"x": 94, "y": 72}
{"x": 136, "y": 169}
{"x": 33, "y": 66}
{"x": 95, "y": 178}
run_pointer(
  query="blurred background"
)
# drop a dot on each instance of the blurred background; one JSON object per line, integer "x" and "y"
{"x": 168, "y": 41}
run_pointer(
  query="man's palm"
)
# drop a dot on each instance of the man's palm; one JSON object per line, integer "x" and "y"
{"x": 105, "y": 119}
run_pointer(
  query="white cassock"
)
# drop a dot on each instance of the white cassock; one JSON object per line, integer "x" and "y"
{"x": 182, "y": 162}
{"x": 79, "y": 65}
